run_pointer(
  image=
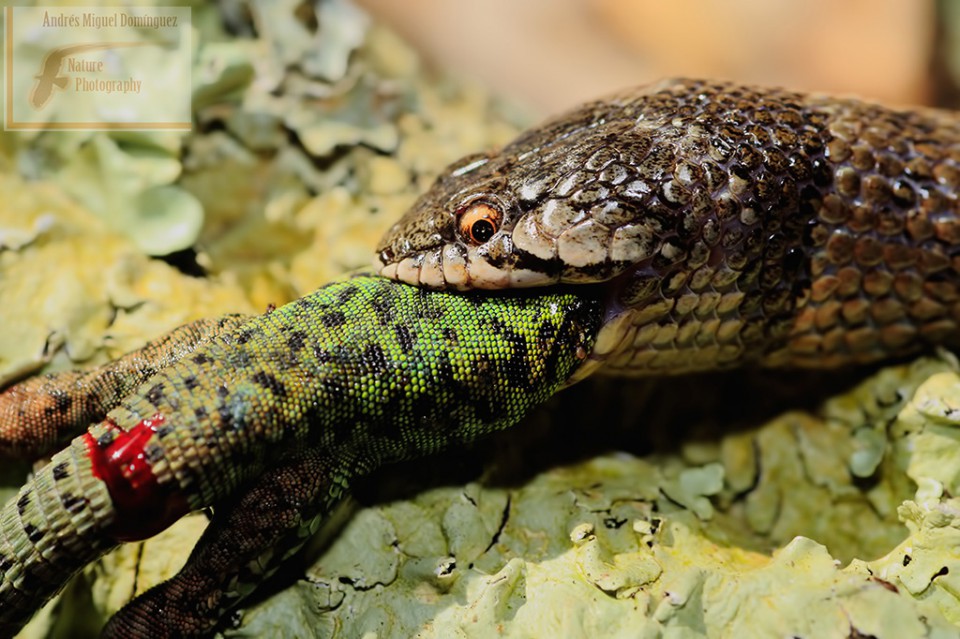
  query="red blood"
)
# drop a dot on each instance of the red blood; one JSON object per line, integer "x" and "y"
{"x": 144, "y": 508}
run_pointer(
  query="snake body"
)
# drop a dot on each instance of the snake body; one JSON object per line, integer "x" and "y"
{"x": 698, "y": 225}
{"x": 731, "y": 224}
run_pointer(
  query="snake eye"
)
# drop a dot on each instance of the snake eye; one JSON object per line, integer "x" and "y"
{"x": 478, "y": 222}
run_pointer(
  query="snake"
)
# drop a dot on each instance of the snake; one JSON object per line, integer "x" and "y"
{"x": 683, "y": 226}
{"x": 728, "y": 225}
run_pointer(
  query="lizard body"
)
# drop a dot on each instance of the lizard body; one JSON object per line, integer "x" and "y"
{"x": 269, "y": 421}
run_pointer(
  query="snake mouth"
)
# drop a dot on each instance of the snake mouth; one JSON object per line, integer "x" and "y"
{"x": 454, "y": 266}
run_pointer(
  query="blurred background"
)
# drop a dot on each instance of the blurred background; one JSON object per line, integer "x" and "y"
{"x": 551, "y": 54}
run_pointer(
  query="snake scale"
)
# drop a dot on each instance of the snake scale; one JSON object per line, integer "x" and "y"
{"x": 679, "y": 227}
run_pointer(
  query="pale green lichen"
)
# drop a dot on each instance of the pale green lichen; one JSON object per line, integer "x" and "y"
{"x": 126, "y": 177}
{"x": 132, "y": 188}
{"x": 74, "y": 291}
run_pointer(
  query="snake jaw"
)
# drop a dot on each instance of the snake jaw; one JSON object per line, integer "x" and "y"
{"x": 455, "y": 266}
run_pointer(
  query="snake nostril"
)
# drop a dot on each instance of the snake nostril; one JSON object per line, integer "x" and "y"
{"x": 386, "y": 255}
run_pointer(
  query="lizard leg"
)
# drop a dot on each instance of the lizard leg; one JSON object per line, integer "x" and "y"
{"x": 243, "y": 545}
{"x": 42, "y": 413}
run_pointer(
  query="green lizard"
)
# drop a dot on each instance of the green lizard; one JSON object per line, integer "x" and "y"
{"x": 269, "y": 420}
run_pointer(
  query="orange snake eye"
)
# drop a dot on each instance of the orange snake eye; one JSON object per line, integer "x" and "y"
{"x": 478, "y": 222}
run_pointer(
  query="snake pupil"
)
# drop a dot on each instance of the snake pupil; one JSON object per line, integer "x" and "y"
{"x": 482, "y": 230}
{"x": 478, "y": 222}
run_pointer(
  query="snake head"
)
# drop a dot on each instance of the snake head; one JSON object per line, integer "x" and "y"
{"x": 533, "y": 214}
{"x": 459, "y": 233}
{"x": 584, "y": 197}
